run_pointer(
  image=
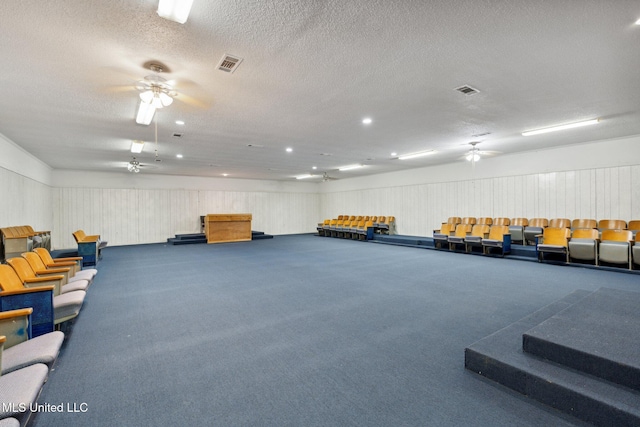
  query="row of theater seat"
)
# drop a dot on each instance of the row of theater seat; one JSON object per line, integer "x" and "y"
{"x": 609, "y": 241}
{"x": 38, "y": 293}
{"x": 21, "y": 238}
{"x": 356, "y": 227}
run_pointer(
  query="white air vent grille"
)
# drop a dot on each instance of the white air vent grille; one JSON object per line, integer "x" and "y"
{"x": 229, "y": 63}
{"x": 467, "y": 90}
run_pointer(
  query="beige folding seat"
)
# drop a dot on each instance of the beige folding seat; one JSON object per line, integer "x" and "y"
{"x": 485, "y": 221}
{"x": 615, "y": 247}
{"x": 516, "y": 229}
{"x": 611, "y": 224}
{"x": 499, "y": 238}
{"x": 73, "y": 263}
{"x": 478, "y": 232}
{"x": 554, "y": 240}
{"x": 560, "y": 223}
{"x": 25, "y": 272}
{"x": 584, "y": 244}
{"x": 535, "y": 228}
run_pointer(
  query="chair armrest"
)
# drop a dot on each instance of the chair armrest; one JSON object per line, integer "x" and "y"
{"x": 67, "y": 259}
{"x": 55, "y": 281}
{"x": 15, "y": 313}
{"x": 47, "y": 288}
{"x": 93, "y": 238}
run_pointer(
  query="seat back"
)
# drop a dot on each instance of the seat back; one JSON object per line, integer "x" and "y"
{"x": 522, "y": 222}
{"x": 462, "y": 230}
{"x": 585, "y": 233}
{"x": 455, "y": 220}
{"x": 46, "y": 258}
{"x": 34, "y": 261}
{"x": 22, "y": 268}
{"x": 501, "y": 221}
{"x": 634, "y": 225}
{"x": 584, "y": 223}
{"x": 612, "y": 224}
{"x": 447, "y": 229}
{"x": 557, "y": 236}
{"x": 480, "y": 230}
{"x": 468, "y": 220}
{"x": 485, "y": 220}
{"x": 617, "y": 235}
{"x": 79, "y": 235}
{"x": 560, "y": 223}
{"x": 538, "y": 222}
{"x": 497, "y": 232}
{"x": 9, "y": 280}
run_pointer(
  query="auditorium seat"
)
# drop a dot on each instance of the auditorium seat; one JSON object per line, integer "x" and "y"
{"x": 583, "y": 223}
{"x": 462, "y": 231}
{"x": 30, "y": 278}
{"x": 20, "y": 389}
{"x": 474, "y": 240}
{"x": 321, "y": 226}
{"x": 441, "y": 237}
{"x": 584, "y": 244}
{"x": 358, "y": 228}
{"x": 611, "y": 224}
{"x": 554, "y": 240}
{"x": 453, "y": 220}
{"x": 560, "y": 223}
{"x": 387, "y": 226}
{"x": 485, "y": 221}
{"x": 20, "y": 350}
{"x": 615, "y": 247}
{"x": 535, "y": 228}
{"x": 73, "y": 263}
{"x": 636, "y": 250}
{"x": 45, "y": 237}
{"x": 14, "y": 242}
{"x": 499, "y": 238}
{"x": 65, "y": 306}
{"x": 362, "y": 233}
{"x": 89, "y": 247}
{"x": 468, "y": 220}
{"x": 501, "y": 221}
{"x": 634, "y": 227}
{"x": 516, "y": 229}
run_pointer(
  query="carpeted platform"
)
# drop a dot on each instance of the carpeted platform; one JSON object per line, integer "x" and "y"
{"x": 569, "y": 327}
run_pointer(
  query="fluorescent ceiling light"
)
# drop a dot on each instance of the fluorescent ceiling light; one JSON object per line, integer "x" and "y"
{"x": 136, "y": 146}
{"x": 638, "y": 22}
{"x": 305, "y": 176}
{"x": 175, "y": 10}
{"x": 179, "y": 156}
{"x": 418, "y": 154}
{"x": 289, "y": 150}
{"x": 349, "y": 167}
{"x": 367, "y": 120}
{"x": 180, "y": 122}
{"x": 561, "y": 127}
{"x": 145, "y": 113}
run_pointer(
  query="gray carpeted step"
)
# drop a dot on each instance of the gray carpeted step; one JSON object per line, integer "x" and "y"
{"x": 594, "y": 336}
{"x": 500, "y": 357}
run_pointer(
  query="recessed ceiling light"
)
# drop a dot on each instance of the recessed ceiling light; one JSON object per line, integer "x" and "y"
{"x": 225, "y": 174}
{"x": 179, "y": 156}
{"x": 179, "y": 122}
{"x": 394, "y": 154}
{"x": 638, "y": 22}
{"x": 560, "y": 127}
{"x": 418, "y": 154}
{"x": 350, "y": 167}
{"x": 289, "y": 149}
{"x": 314, "y": 167}
{"x": 367, "y": 120}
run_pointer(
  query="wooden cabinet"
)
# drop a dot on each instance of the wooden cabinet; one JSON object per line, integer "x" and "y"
{"x": 221, "y": 228}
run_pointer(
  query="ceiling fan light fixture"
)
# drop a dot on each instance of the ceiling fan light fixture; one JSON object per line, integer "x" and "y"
{"x": 136, "y": 146}
{"x": 175, "y": 10}
{"x": 560, "y": 127}
{"x": 133, "y": 166}
{"x": 473, "y": 157}
{"x": 418, "y": 154}
{"x": 145, "y": 113}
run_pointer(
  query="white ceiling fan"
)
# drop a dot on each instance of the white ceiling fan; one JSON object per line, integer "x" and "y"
{"x": 475, "y": 154}
{"x": 326, "y": 177}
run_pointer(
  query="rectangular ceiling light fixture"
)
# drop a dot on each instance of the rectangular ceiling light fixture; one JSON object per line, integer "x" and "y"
{"x": 136, "y": 146}
{"x": 304, "y": 176}
{"x": 145, "y": 113}
{"x": 349, "y": 167}
{"x": 175, "y": 10}
{"x": 560, "y": 127}
{"x": 418, "y": 154}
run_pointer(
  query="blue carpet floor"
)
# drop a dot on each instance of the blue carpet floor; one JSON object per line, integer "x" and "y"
{"x": 299, "y": 331}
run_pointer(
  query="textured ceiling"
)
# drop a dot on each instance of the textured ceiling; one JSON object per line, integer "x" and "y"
{"x": 311, "y": 71}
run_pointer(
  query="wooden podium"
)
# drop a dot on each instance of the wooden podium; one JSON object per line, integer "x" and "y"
{"x": 221, "y": 228}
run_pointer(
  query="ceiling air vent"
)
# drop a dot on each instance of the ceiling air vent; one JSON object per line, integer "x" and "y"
{"x": 229, "y": 63}
{"x": 467, "y": 90}
{"x": 177, "y": 135}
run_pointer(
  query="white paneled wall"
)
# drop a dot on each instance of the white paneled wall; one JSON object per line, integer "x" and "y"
{"x": 134, "y": 216}
{"x": 24, "y": 201}
{"x": 593, "y": 193}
